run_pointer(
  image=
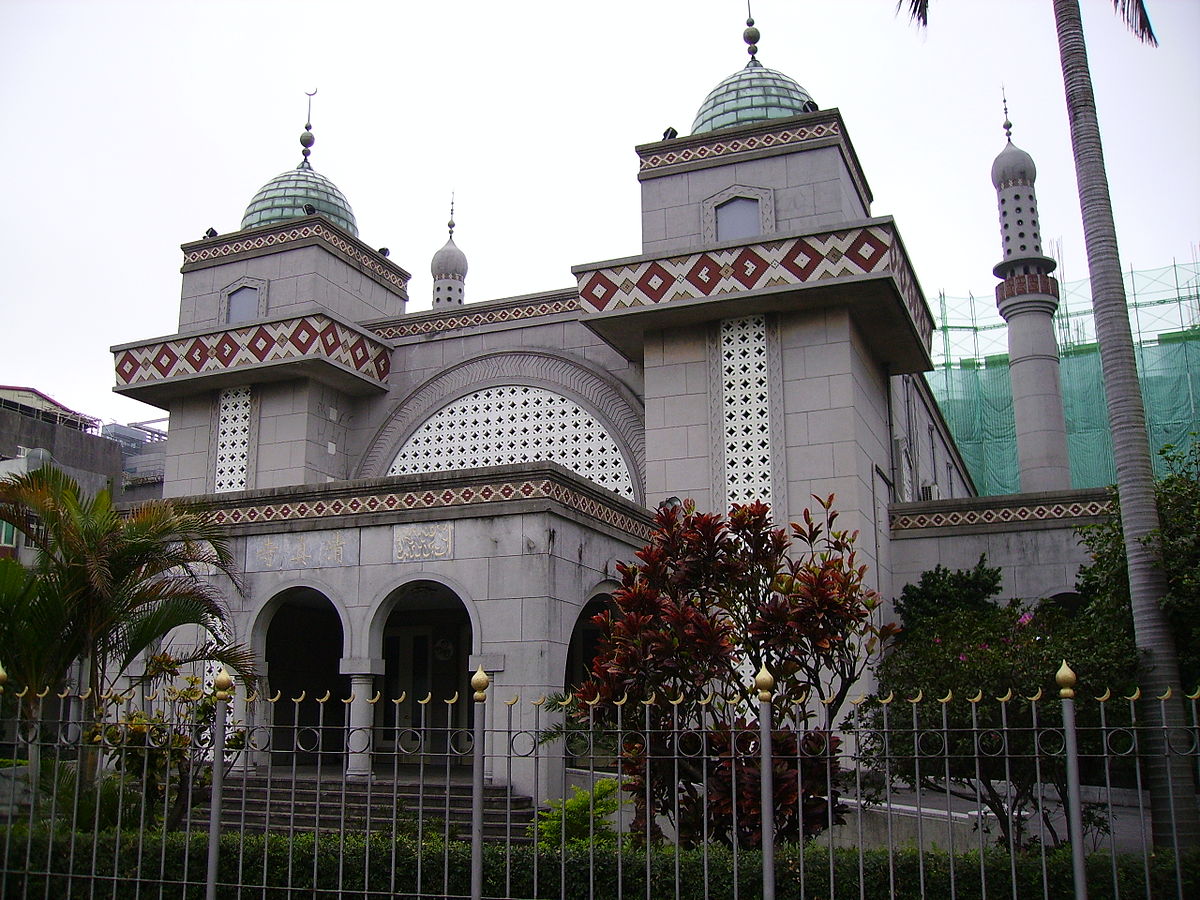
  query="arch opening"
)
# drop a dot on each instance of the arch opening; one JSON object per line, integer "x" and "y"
{"x": 303, "y": 651}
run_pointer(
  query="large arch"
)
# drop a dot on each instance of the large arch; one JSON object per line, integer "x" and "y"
{"x": 584, "y": 636}
{"x": 610, "y": 402}
{"x": 303, "y": 641}
{"x": 425, "y": 636}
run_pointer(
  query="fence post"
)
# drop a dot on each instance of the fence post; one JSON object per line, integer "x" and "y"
{"x": 221, "y": 685}
{"x": 765, "y": 683}
{"x": 479, "y": 684}
{"x": 1065, "y": 679}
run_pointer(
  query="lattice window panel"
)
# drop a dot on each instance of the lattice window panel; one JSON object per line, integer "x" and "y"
{"x": 745, "y": 409}
{"x": 512, "y": 424}
{"x": 233, "y": 439}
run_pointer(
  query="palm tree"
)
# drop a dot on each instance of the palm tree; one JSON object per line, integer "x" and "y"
{"x": 109, "y": 585}
{"x": 1172, "y": 819}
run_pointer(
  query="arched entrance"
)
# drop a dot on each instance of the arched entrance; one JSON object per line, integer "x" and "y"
{"x": 303, "y": 649}
{"x": 426, "y": 648}
{"x": 584, "y": 640}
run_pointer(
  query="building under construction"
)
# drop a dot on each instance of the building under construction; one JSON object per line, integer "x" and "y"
{"x": 971, "y": 377}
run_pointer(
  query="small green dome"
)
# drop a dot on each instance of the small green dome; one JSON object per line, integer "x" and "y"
{"x": 752, "y": 94}
{"x": 285, "y": 196}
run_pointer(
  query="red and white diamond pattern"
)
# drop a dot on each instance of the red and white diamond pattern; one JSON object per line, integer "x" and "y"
{"x": 432, "y": 324}
{"x": 276, "y": 238}
{"x": 870, "y": 250}
{"x": 725, "y": 147}
{"x": 467, "y": 495}
{"x": 301, "y": 338}
{"x": 1040, "y": 512}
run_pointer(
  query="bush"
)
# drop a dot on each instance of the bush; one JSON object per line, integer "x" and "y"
{"x": 329, "y": 865}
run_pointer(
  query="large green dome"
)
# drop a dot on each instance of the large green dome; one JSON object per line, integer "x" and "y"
{"x": 753, "y": 94}
{"x": 285, "y": 196}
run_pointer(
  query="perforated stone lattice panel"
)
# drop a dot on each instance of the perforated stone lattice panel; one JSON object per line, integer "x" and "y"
{"x": 512, "y": 424}
{"x": 745, "y": 409}
{"x": 233, "y": 439}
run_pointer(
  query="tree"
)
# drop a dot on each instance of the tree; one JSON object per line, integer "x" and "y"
{"x": 710, "y": 602}
{"x": 961, "y": 644}
{"x": 107, "y": 586}
{"x": 1126, "y": 415}
{"x": 1105, "y": 582}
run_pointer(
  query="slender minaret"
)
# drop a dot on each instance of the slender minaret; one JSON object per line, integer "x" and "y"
{"x": 449, "y": 269}
{"x": 1027, "y": 299}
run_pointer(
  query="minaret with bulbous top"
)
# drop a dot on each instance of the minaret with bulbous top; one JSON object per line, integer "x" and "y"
{"x": 449, "y": 270}
{"x": 1027, "y": 298}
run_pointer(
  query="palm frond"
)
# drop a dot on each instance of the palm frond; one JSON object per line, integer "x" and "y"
{"x": 918, "y": 10}
{"x": 1137, "y": 18}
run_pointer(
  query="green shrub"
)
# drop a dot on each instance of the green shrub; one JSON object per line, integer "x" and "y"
{"x": 52, "y": 862}
{"x": 584, "y": 816}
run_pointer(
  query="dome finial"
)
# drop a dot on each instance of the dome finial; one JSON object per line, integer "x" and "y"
{"x": 751, "y": 34}
{"x": 307, "y": 139}
{"x": 1007, "y": 123}
{"x": 450, "y": 224}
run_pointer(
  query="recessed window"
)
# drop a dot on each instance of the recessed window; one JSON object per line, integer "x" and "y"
{"x": 738, "y": 218}
{"x": 8, "y": 534}
{"x": 243, "y": 305}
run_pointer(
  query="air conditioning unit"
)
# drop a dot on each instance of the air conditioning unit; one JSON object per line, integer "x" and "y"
{"x": 930, "y": 491}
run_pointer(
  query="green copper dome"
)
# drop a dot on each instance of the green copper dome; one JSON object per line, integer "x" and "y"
{"x": 285, "y": 196}
{"x": 753, "y": 94}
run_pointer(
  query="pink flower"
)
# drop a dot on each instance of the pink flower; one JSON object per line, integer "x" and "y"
{"x": 1026, "y": 618}
{"x": 983, "y": 646}
{"x": 962, "y": 657}
{"x": 937, "y": 640}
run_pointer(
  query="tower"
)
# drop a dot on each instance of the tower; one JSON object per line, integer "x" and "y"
{"x": 1027, "y": 299}
{"x": 449, "y": 270}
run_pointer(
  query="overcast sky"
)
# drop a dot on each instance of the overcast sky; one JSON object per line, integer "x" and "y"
{"x": 130, "y": 128}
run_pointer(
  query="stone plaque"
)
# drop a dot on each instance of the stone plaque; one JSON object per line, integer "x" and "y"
{"x": 305, "y": 550}
{"x": 423, "y": 541}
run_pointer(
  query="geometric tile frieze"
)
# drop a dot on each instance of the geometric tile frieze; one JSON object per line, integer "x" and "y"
{"x": 305, "y": 337}
{"x": 450, "y": 321}
{"x": 866, "y": 250}
{"x": 1039, "y": 512}
{"x": 287, "y": 236}
{"x": 434, "y": 498}
{"x": 726, "y": 146}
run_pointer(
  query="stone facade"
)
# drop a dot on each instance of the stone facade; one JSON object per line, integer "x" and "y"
{"x": 528, "y": 438}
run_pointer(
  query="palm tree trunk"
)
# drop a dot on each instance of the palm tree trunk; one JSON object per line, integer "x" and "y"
{"x": 1171, "y": 786}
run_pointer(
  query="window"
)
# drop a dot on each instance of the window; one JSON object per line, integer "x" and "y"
{"x": 738, "y": 218}
{"x": 243, "y": 305}
{"x": 8, "y": 534}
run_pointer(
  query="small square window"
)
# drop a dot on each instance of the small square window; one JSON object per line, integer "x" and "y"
{"x": 243, "y": 305}
{"x": 738, "y": 218}
{"x": 8, "y": 534}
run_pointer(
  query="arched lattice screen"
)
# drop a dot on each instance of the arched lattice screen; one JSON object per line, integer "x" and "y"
{"x": 510, "y": 424}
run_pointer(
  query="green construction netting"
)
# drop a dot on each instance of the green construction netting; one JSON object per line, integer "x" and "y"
{"x": 976, "y": 399}
{"x": 970, "y": 378}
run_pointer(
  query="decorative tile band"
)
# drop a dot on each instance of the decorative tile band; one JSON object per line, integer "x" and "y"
{"x": 440, "y": 498}
{"x": 1017, "y": 285}
{"x": 306, "y": 337}
{"x": 277, "y": 238}
{"x": 450, "y": 321}
{"x": 813, "y": 258}
{"x": 726, "y": 147}
{"x": 1040, "y": 512}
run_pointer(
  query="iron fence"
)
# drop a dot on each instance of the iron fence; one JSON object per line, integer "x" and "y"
{"x": 487, "y": 796}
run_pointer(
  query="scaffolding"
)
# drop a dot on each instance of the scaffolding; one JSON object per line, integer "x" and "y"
{"x": 971, "y": 382}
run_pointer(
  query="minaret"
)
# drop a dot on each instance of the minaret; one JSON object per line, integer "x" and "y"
{"x": 1027, "y": 299}
{"x": 449, "y": 270}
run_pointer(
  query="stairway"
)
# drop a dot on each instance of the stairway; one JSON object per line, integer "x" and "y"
{"x": 303, "y": 802}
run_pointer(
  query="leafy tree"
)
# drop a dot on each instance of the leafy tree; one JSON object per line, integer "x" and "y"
{"x": 966, "y": 645}
{"x": 1173, "y": 824}
{"x": 1105, "y": 581}
{"x": 108, "y": 585}
{"x": 709, "y": 602}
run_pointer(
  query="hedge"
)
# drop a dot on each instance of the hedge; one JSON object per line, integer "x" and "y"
{"x": 331, "y": 864}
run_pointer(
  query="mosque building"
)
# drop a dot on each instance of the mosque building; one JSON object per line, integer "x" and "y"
{"x": 412, "y": 495}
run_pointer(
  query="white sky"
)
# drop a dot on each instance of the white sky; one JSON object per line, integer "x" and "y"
{"x": 129, "y": 128}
